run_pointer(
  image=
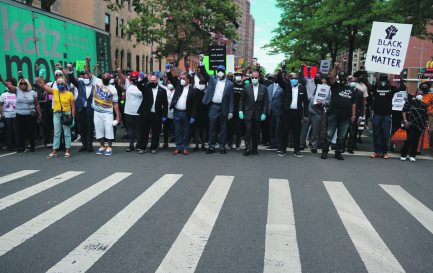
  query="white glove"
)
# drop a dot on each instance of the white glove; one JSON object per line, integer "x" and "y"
{"x": 230, "y": 116}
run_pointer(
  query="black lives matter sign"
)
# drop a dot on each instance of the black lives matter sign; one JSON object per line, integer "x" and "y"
{"x": 217, "y": 56}
{"x": 387, "y": 48}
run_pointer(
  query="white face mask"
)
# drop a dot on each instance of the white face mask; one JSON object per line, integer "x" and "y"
{"x": 220, "y": 74}
{"x": 419, "y": 97}
{"x": 86, "y": 81}
{"x": 352, "y": 84}
{"x": 182, "y": 82}
{"x": 202, "y": 87}
{"x": 238, "y": 78}
{"x": 140, "y": 79}
{"x": 170, "y": 86}
{"x": 255, "y": 81}
{"x": 112, "y": 81}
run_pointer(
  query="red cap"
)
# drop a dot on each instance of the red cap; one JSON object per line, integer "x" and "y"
{"x": 134, "y": 74}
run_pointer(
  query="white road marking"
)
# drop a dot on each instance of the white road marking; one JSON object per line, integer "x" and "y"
{"x": 27, "y": 230}
{"x": 186, "y": 251}
{"x": 281, "y": 247}
{"x": 94, "y": 247}
{"x": 13, "y": 176}
{"x": 417, "y": 209}
{"x": 373, "y": 251}
{"x": 35, "y": 189}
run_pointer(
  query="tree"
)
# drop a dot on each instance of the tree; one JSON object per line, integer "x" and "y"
{"x": 182, "y": 27}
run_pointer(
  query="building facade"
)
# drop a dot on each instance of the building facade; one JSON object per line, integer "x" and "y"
{"x": 244, "y": 45}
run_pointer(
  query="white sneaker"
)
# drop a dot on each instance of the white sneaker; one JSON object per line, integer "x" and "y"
{"x": 403, "y": 158}
{"x": 412, "y": 159}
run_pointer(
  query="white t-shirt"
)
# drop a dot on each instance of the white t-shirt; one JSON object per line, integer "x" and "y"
{"x": 363, "y": 88}
{"x": 133, "y": 98}
{"x": 104, "y": 97}
{"x": 9, "y": 104}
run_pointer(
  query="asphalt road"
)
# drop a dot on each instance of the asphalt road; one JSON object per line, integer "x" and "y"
{"x": 325, "y": 216}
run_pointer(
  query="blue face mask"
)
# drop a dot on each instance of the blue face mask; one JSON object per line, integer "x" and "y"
{"x": 61, "y": 86}
{"x": 294, "y": 82}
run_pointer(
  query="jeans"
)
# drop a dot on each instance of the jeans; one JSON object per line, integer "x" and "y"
{"x": 381, "y": 133}
{"x": 133, "y": 127}
{"x": 58, "y": 131}
{"x": 181, "y": 129}
{"x": 341, "y": 125}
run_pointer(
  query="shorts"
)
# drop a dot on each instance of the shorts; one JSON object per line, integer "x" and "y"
{"x": 103, "y": 125}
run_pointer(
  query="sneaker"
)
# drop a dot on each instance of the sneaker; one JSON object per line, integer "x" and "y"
{"x": 165, "y": 146}
{"x": 108, "y": 151}
{"x": 298, "y": 154}
{"x": 403, "y": 158}
{"x": 271, "y": 148}
{"x": 324, "y": 155}
{"x": 185, "y": 152}
{"x": 153, "y": 151}
{"x": 412, "y": 159}
{"x": 339, "y": 156}
{"x": 175, "y": 152}
{"x": 282, "y": 153}
{"x": 376, "y": 155}
{"x": 100, "y": 151}
{"x": 314, "y": 151}
{"x": 141, "y": 151}
{"x": 77, "y": 139}
{"x": 238, "y": 148}
{"x": 130, "y": 148}
{"x": 385, "y": 156}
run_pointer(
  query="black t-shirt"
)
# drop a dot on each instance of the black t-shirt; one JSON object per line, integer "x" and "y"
{"x": 382, "y": 99}
{"x": 342, "y": 98}
{"x": 237, "y": 90}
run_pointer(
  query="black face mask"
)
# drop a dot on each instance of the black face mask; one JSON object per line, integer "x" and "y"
{"x": 153, "y": 85}
{"x": 134, "y": 81}
{"x": 105, "y": 81}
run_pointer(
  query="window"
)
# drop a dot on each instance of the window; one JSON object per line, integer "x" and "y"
{"x": 121, "y": 29}
{"x": 122, "y": 55}
{"x": 137, "y": 63}
{"x": 129, "y": 5}
{"x": 117, "y": 26}
{"x": 116, "y": 56}
{"x": 143, "y": 61}
{"x": 147, "y": 61}
{"x": 107, "y": 22}
{"x": 128, "y": 61}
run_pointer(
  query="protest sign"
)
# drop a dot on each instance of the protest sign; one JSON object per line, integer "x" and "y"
{"x": 322, "y": 91}
{"x": 325, "y": 66}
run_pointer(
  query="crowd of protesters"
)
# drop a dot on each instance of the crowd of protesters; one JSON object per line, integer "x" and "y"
{"x": 214, "y": 112}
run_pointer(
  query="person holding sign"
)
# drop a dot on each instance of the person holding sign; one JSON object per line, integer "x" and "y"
{"x": 341, "y": 111}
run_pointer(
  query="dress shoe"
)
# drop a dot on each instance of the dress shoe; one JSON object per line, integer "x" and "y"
{"x": 210, "y": 151}
{"x": 339, "y": 156}
{"x": 254, "y": 151}
{"x": 246, "y": 152}
{"x": 185, "y": 152}
{"x": 82, "y": 149}
{"x": 223, "y": 151}
{"x": 324, "y": 155}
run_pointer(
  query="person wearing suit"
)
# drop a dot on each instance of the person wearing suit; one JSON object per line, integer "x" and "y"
{"x": 275, "y": 95}
{"x": 253, "y": 107}
{"x": 220, "y": 100}
{"x": 83, "y": 107}
{"x": 294, "y": 111}
{"x": 153, "y": 110}
{"x": 184, "y": 109}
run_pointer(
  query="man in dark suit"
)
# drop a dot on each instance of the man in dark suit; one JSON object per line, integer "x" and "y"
{"x": 153, "y": 111}
{"x": 184, "y": 109}
{"x": 294, "y": 110}
{"x": 219, "y": 97}
{"x": 275, "y": 94}
{"x": 253, "y": 107}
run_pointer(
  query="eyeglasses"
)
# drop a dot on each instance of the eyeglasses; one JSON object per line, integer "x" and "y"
{"x": 58, "y": 75}
{"x": 254, "y": 77}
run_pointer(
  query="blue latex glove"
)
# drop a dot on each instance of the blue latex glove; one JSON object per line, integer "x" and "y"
{"x": 191, "y": 120}
{"x": 241, "y": 115}
{"x": 73, "y": 123}
{"x": 263, "y": 117}
{"x": 168, "y": 66}
{"x": 164, "y": 119}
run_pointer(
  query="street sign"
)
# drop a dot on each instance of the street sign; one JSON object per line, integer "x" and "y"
{"x": 217, "y": 56}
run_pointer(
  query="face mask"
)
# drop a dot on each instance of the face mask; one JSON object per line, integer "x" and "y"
{"x": 139, "y": 79}
{"x": 153, "y": 85}
{"x": 161, "y": 82}
{"x": 220, "y": 74}
{"x": 170, "y": 86}
{"x": 105, "y": 81}
{"x": 202, "y": 87}
{"x": 419, "y": 97}
{"x": 255, "y": 81}
{"x": 424, "y": 89}
{"x": 294, "y": 82}
{"x": 383, "y": 83}
{"x": 247, "y": 82}
{"x": 238, "y": 78}
{"x": 182, "y": 82}
{"x": 134, "y": 80}
{"x": 86, "y": 81}
{"x": 61, "y": 86}
{"x": 352, "y": 84}
{"x": 112, "y": 81}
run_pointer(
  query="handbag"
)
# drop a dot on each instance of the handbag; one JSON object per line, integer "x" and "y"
{"x": 64, "y": 118}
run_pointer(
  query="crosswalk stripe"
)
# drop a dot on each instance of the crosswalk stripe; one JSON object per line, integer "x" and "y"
{"x": 27, "y": 230}
{"x": 373, "y": 251}
{"x": 13, "y": 176}
{"x": 28, "y": 192}
{"x": 95, "y": 246}
{"x": 417, "y": 209}
{"x": 281, "y": 247}
{"x": 186, "y": 251}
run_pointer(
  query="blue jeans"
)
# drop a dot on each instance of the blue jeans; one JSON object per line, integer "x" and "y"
{"x": 335, "y": 123}
{"x": 381, "y": 133}
{"x": 181, "y": 130}
{"x": 58, "y": 131}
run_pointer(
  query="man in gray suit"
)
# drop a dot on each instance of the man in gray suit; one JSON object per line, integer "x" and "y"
{"x": 220, "y": 100}
{"x": 253, "y": 107}
{"x": 275, "y": 94}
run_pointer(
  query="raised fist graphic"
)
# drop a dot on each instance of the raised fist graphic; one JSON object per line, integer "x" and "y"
{"x": 391, "y": 31}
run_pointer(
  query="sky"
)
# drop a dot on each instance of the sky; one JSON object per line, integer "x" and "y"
{"x": 267, "y": 16}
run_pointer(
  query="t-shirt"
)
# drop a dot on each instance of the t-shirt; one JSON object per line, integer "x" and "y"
{"x": 9, "y": 104}
{"x": 382, "y": 100}
{"x": 416, "y": 113}
{"x": 104, "y": 97}
{"x": 342, "y": 98}
{"x": 237, "y": 93}
{"x": 25, "y": 103}
{"x": 133, "y": 98}
{"x": 65, "y": 98}
{"x": 363, "y": 88}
